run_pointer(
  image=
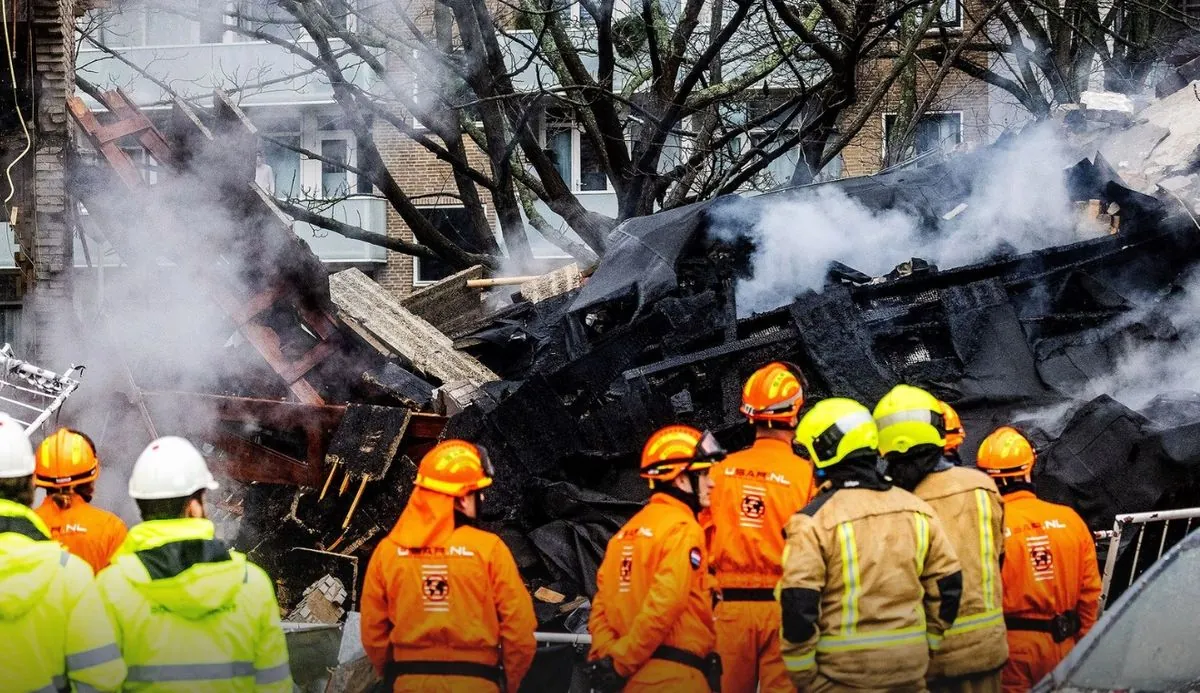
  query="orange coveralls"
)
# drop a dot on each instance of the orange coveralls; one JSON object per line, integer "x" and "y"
{"x": 1049, "y": 567}
{"x": 85, "y": 530}
{"x": 448, "y": 595}
{"x": 756, "y": 491}
{"x": 653, "y": 589}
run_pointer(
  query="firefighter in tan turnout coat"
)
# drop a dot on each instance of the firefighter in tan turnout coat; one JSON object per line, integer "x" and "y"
{"x": 912, "y": 437}
{"x": 870, "y": 581}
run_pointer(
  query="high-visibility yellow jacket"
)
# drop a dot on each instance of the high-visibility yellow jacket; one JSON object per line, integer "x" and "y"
{"x": 192, "y": 615}
{"x": 52, "y": 623}
{"x": 968, "y": 504}
{"x": 870, "y": 583}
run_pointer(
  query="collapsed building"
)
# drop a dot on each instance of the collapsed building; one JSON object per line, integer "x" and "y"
{"x": 314, "y": 395}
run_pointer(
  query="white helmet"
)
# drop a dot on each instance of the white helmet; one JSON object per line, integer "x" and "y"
{"x": 170, "y": 467}
{"x": 16, "y": 452}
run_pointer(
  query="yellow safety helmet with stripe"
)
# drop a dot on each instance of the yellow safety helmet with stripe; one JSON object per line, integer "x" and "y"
{"x": 909, "y": 417}
{"x": 833, "y": 429}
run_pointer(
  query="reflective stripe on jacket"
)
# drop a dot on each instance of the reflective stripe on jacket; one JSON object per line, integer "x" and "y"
{"x": 52, "y": 623}
{"x": 870, "y": 583}
{"x": 87, "y": 531}
{"x": 193, "y": 615}
{"x": 968, "y": 505}
{"x": 653, "y": 588}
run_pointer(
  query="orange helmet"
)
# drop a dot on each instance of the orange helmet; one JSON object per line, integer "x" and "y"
{"x": 66, "y": 459}
{"x": 955, "y": 434}
{"x": 1006, "y": 453}
{"x": 673, "y": 450}
{"x": 773, "y": 393}
{"x": 455, "y": 468}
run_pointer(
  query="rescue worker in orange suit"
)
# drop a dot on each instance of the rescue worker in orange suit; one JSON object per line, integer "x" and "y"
{"x": 956, "y": 435}
{"x": 870, "y": 582}
{"x": 652, "y": 617}
{"x": 1051, "y": 577}
{"x": 754, "y": 493}
{"x": 912, "y": 439}
{"x": 67, "y": 468}
{"x": 443, "y": 607}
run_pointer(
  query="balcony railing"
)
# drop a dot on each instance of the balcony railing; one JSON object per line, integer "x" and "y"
{"x": 194, "y": 71}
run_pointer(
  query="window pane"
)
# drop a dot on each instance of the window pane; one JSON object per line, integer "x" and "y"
{"x": 591, "y": 174}
{"x": 285, "y": 165}
{"x": 10, "y": 324}
{"x": 335, "y": 180}
{"x": 212, "y": 18}
{"x": 267, "y": 17}
{"x": 166, "y": 28}
{"x": 455, "y": 224}
{"x": 558, "y": 148}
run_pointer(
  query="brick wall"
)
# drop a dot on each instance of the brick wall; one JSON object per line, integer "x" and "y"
{"x": 53, "y": 29}
{"x": 428, "y": 180}
{"x": 958, "y": 92}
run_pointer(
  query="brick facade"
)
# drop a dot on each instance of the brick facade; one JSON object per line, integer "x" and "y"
{"x": 53, "y": 27}
{"x": 958, "y": 93}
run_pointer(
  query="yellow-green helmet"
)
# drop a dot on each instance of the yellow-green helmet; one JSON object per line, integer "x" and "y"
{"x": 907, "y": 417}
{"x": 835, "y": 428}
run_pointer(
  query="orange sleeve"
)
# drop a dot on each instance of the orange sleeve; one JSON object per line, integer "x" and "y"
{"x": 1089, "y": 581}
{"x": 514, "y": 609}
{"x": 116, "y": 537}
{"x": 375, "y": 613}
{"x": 665, "y": 602}
{"x": 603, "y": 635}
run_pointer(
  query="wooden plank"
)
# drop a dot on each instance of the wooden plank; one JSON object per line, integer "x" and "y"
{"x": 429, "y": 350}
{"x": 150, "y": 138}
{"x": 248, "y": 462}
{"x": 308, "y": 361}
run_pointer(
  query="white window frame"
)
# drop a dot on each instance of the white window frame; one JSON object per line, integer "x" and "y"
{"x": 416, "y": 260}
{"x": 576, "y": 177}
{"x": 144, "y": 14}
{"x": 884, "y": 126}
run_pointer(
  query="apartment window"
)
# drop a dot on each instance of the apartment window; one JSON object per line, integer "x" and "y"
{"x": 268, "y": 18}
{"x": 10, "y": 323}
{"x": 284, "y": 163}
{"x": 574, "y": 155}
{"x": 949, "y": 16}
{"x": 934, "y": 131}
{"x": 455, "y": 224}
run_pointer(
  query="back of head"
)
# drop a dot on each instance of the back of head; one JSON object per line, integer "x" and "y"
{"x": 66, "y": 463}
{"x": 1006, "y": 455}
{"x": 17, "y": 462}
{"x": 836, "y": 429}
{"x": 909, "y": 419}
{"x": 170, "y": 471}
{"x": 773, "y": 395}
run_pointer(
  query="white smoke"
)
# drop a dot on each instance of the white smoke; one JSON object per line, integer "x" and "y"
{"x": 1021, "y": 202}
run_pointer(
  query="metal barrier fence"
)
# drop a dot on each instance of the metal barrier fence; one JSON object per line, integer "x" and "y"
{"x": 1158, "y": 526}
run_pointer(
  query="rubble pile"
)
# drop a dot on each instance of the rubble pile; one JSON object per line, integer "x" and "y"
{"x": 347, "y": 387}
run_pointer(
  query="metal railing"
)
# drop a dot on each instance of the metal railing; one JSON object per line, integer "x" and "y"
{"x": 31, "y": 394}
{"x": 1155, "y": 523}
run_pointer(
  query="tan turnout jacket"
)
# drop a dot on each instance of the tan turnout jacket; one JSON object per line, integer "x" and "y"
{"x": 870, "y": 583}
{"x": 968, "y": 505}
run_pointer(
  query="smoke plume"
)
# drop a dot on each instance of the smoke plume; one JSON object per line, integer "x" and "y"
{"x": 1021, "y": 203}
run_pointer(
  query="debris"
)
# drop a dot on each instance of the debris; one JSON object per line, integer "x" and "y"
{"x": 449, "y": 304}
{"x": 547, "y": 595}
{"x": 555, "y": 283}
{"x": 429, "y": 350}
{"x": 323, "y": 602}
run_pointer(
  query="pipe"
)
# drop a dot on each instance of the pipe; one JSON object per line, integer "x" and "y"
{"x": 567, "y": 638}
